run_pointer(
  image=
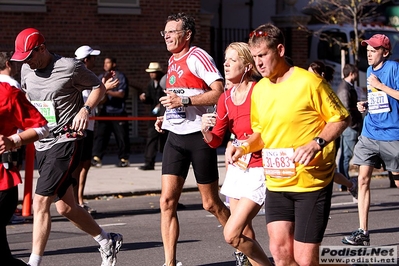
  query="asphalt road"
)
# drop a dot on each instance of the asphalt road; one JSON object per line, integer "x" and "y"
{"x": 201, "y": 241}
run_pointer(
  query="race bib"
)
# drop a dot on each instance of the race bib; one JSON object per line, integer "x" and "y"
{"x": 176, "y": 115}
{"x": 378, "y": 102}
{"x": 243, "y": 161}
{"x": 277, "y": 163}
{"x": 46, "y": 108}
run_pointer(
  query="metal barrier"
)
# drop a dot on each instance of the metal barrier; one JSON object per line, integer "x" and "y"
{"x": 30, "y": 161}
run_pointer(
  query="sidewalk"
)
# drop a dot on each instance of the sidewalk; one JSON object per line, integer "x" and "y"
{"x": 110, "y": 180}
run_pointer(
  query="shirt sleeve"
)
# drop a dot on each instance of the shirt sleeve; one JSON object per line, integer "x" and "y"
{"x": 222, "y": 123}
{"x": 203, "y": 66}
{"x": 328, "y": 105}
{"x": 84, "y": 78}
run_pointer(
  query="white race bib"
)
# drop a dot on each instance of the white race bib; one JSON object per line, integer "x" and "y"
{"x": 243, "y": 161}
{"x": 46, "y": 108}
{"x": 277, "y": 163}
{"x": 176, "y": 115}
{"x": 378, "y": 102}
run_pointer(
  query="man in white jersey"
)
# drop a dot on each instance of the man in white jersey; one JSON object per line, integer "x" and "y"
{"x": 193, "y": 85}
{"x": 54, "y": 84}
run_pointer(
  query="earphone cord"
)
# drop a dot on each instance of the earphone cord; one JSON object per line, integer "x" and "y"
{"x": 226, "y": 98}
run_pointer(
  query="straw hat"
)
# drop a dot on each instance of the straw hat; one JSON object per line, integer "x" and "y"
{"x": 154, "y": 67}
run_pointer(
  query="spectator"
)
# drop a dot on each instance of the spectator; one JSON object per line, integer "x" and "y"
{"x": 87, "y": 56}
{"x": 113, "y": 106}
{"x": 346, "y": 92}
{"x": 155, "y": 90}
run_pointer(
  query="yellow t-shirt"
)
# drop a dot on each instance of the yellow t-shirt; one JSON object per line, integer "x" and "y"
{"x": 289, "y": 115}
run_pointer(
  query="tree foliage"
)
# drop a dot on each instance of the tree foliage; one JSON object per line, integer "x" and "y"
{"x": 352, "y": 12}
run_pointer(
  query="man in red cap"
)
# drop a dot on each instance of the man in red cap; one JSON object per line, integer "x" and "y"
{"x": 54, "y": 84}
{"x": 379, "y": 139}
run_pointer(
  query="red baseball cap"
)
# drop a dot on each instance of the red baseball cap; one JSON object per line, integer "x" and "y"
{"x": 378, "y": 40}
{"x": 26, "y": 41}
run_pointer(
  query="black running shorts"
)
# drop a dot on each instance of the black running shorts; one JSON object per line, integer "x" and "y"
{"x": 181, "y": 150}
{"x": 56, "y": 166}
{"x": 309, "y": 211}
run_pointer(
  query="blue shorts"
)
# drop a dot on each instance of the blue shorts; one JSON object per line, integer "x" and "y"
{"x": 56, "y": 166}
{"x": 182, "y": 150}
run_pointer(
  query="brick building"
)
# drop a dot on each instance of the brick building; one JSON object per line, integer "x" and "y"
{"x": 125, "y": 29}
{"x": 129, "y": 33}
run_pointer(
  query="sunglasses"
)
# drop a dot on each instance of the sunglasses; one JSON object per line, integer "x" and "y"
{"x": 31, "y": 54}
{"x": 258, "y": 33}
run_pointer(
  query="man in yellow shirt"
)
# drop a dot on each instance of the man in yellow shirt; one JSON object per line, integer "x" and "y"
{"x": 295, "y": 117}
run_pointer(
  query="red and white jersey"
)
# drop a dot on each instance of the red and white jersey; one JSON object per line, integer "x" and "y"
{"x": 190, "y": 75}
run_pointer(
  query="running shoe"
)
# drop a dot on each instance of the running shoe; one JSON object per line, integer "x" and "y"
{"x": 353, "y": 189}
{"x": 178, "y": 263}
{"x": 123, "y": 163}
{"x": 96, "y": 162}
{"x": 241, "y": 259}
{"x": 358, "y": 238}
{"x": 88, "y": 208}
{"x": 108, "y": 253}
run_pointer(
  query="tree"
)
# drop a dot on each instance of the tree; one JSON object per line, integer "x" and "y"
{"x": 352, "y": 12}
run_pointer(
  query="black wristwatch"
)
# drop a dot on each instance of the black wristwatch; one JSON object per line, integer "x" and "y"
{"x": 322, "y": 143}
{"x": 185, "y": 100}
{"x": 88, "y": 108}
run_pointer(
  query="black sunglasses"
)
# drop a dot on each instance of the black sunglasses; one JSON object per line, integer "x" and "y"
{"x": 31, "y": 54}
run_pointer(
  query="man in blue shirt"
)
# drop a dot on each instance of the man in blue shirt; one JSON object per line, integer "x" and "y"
{"x": 379, "y": 139}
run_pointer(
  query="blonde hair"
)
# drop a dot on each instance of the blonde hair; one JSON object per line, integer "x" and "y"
{"x": 244, "y": 53}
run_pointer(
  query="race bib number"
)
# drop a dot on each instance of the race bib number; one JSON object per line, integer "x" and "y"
{"x": 378, "y": 102}
{"x": 46, "y": 108}
{"x": 176, "y": 115}
{"x": 277, "y": 163}
{"x": 243, "y": 161}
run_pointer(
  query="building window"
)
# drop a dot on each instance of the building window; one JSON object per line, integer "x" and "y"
{"x": 23, "y": 6}
{"x": 119, "y": 7}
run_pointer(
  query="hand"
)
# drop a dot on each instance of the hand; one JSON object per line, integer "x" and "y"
{"x": 111, "y": 83}
{"x": 5, "y": 144}
{"x": 80, "y": 122}
{"x": 158, "y": 124}
{"x": 362, "y": 106}
{"x": 374, "y": 81}
{"x": 305, "y": 154}
{"x": 142, "y": 97}
{"x": 108, "y": 75}
{"x": 208, "y": 120}
{"x": 171, "y": 100}
{"x": 233, "y": 153}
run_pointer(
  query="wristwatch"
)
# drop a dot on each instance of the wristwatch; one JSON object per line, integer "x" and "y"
{"x": 322, "y": 143}
{"x": 88, "y": 108}
{"x": 185, "y": 100}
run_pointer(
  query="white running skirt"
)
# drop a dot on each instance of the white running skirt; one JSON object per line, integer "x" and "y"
{"x": 250, "y": 184}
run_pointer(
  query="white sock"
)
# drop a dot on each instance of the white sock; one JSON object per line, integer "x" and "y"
{"x": 102, "y": 238}
{"x": 34, "y": 260}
